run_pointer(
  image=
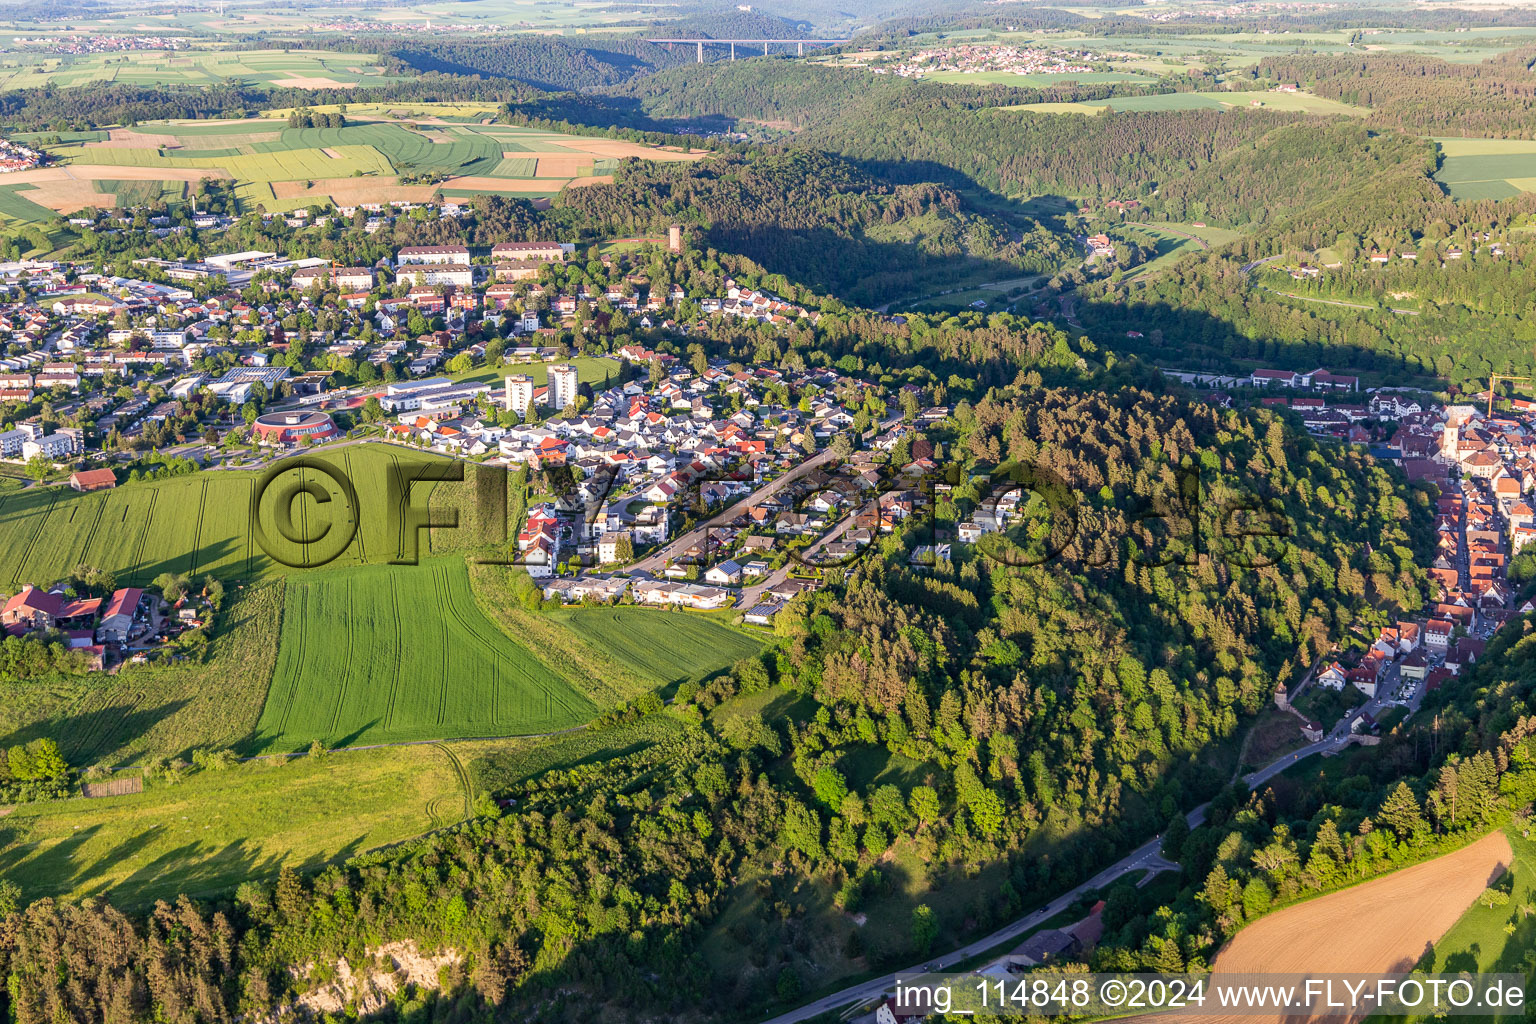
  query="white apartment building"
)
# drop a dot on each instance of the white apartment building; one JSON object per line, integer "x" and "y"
{"x": 563, "y": 382}
{"x": 433, "y": 255}
{"x": 518, "y": 389}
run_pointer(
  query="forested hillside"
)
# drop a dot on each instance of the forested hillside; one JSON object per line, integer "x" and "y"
{"x": 1470, "y": 316}
{"x": 547, "y": 63}
{"x": 917, "y": 131}
{"x": 815, "y": 217}
{"x": 1291, "y": 169}
{"x": 708, "y": 874}
{"x": 1464, "y": 764}
{"x": 1425, "y": 95}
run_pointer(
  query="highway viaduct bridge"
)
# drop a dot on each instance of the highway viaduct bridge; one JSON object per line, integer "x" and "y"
{"x": 764, "y": 43}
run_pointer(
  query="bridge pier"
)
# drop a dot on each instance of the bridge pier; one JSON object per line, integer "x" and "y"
{"x": 701, "y": 53}
{"x": 799, "y": 49}
{"x": 733, "y": 51}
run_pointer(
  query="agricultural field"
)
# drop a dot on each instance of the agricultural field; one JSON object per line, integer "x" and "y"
{"x": 395, "y": 653}
{"x": 209, "y": 832}
{"x": 201, "y": 524}
{"x": 668, "y": 647}
{"x": 299, "y": 69}
{"x": 247, "y": 16}
{"x": 277, "y": 168}
{"x": 1487, "y": 168}
{"x": 1298, "y": 101}
{"x": 1407, "y": 911}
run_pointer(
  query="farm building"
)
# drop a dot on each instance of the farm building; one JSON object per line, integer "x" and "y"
{"x": 86, "y": 480}
{"x": 117, "y": 617}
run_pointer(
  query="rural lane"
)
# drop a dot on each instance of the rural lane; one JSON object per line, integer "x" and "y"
{"x": 1146, "y": 856}
{"x": 659, "y": 558}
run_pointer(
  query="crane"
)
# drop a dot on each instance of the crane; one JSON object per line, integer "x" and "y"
{"x": 1493, "y": 382}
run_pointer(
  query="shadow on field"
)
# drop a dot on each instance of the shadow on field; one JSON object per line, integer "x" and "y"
{"x": 83, "y": 737}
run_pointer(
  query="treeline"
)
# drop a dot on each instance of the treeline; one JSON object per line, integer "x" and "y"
{"x": 547, "y": 62}
{"x": 914, "y": 131}
{"x": 30, "y": 657}
{"x": 1423, "y": 95}
{"x": 832, "y": 226}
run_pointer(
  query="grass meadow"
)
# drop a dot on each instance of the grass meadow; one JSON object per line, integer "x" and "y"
{"x": 208, "y": 832}
{"x": 664, "y": 646}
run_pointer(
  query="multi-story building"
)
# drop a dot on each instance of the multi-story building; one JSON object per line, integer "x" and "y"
{"x": 350, "y": 279}
{"x": 438, "y": 274}
{"x": 563, "y": 382}
{"x": 51, "y": 446}
{"x": 519, "y": 393}
{"x": 433, "y": 255}
{"x": 554, "y": 252}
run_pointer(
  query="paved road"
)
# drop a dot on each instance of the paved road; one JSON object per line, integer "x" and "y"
{"x": 1145, "y": 857}
{"x": 753, "y": 594}
{"x": 657, "y": 560}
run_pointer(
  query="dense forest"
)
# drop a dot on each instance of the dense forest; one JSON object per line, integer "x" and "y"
{"x": 1469, "y": 316}
{"x": 1423, "y": 95}
{"x": 1465, "y": 764}
{"x": 547, "y": 63}
{"x": 836, "y": 228}
{"x": 916, "y": 131}
{"x": 712, "y": 870}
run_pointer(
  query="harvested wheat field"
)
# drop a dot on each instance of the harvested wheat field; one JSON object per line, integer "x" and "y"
{"x": 475, "y": 183}
{"x": 350, "y": 191}
{"x": 69, "y": 188}
{"x": 1379, "y": 927}
{"x": 592, "y": 179}
{"x": 620, "y": 148}
{"x": 562, "y": 166}
{"x": 126, "y": 138}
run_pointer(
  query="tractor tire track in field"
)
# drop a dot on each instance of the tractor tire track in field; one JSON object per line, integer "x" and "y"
{"x": 26, "y": 557}
{"x": 474, "y": 623}
{"x": 394, "y": 686}
{"x": 303, "y": 519}
{"x": 250, "y": 528}
{"x": 302, "y": 601}
{"x": 362, "y": 553}
{"x": 465, "y": 786}
{"x": 90, "y": 538}
{"x": 197, "y": 533}
{"x": 444, "y": 602}
{"x": 346, "y": 669}
{"x": 149, "y": 519}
